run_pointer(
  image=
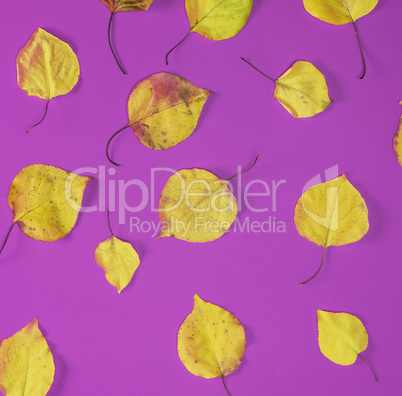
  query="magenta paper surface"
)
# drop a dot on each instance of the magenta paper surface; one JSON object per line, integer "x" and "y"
{"x": 108, "y": 344}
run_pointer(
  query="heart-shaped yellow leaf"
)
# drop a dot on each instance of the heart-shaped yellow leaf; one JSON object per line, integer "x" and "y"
{"x": 45, "y": 201}
{"x": 123, "y": 6}
{"x": 397, "y": 141}
{"x": 47, "y": 67}
{"x": 216, "y": 19}
{"x": 26, "y": 363}
{"x": 301, "y": 90}
{"x": 163, "y": 110}
{"x": 118, "y": 259}
{"x": 196, "y": 206}
{"x": 211, "y": 342}
{"x": 331, "y": 214}
{"x": 340, "y": 12}
{"x": 341, "y": 337}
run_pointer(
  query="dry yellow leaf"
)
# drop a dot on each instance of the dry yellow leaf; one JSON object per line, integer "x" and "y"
{"x": 340, "y": 12}
{"x": 123, "y": 6}
{"x": 211, "y": 342}
{"x": 397, "y": 141}
{"x": 216, "y": 19}
{"x": 26, "y": 363}
{"x": 197, "y": 206}
{"x": 341, "y": 337}
{"x": 163, "y": 110}
{"x": 47, "y": 67}
{"x": 301, "y": 90}
{"x": 331, "y": 214}
{"x": 45, "y": 201}
{"x": 118, "y": 259}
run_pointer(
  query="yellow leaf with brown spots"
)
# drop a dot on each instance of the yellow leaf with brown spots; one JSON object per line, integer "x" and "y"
{"x": 47, "y": 67}
{"x": 163, "y": 111}
{"x": 26, "y": 363}
{"x": 119, "y": 260}
{"x": 331, "y": 214}
{"x": 301, "y": 90}
{"x": 397, "y": 141}
{"x": 122, "y": 6}
{"x": 211, "y": 342}
{"x": 45, "y": 201}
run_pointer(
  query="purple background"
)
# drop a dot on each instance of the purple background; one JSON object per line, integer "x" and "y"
{"x": 110, "y": 344}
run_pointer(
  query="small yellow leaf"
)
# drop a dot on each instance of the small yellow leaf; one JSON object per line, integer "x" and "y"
{"x": 196, "y": 206}
{"x": 211, "y": 342}
{"x": 163, "y": 110}
{"x": 331, "y": 214}
{"x": 45, "y": 201}
{"x": 341, "y": 337}
{"x": 118, "y": 259}
{"x": 127, "y": 5}
{"x": 397, "y": 141}
{"x": 216, "y": 19}
{"x": 339, "y": 12}
{"x": 26, "y": 363}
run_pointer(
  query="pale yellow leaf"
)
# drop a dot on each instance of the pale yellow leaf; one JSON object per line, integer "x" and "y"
{"x": 397, "y": 143}
{"x": 127, "y": 5}
{"x": 26, "y": 363}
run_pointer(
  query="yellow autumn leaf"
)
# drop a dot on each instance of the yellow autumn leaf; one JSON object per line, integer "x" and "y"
{"x": 301, "y": 90}
{"x": 26, "y": 363}
{"x": 397, "y": 141}
{"x": 340, "y": 12}
{"x": 211, "y": 342}
{"x": 163, "y": 110}
{"x": 331, "y": 214}
{"x": 123, "y": 6}
{"x": 47, "y": 67}
{"x": 216, "y": 19}
{"x": 341, "y": 337}
{"x": 118, "y": 259}
{"x": 45, "y": 201}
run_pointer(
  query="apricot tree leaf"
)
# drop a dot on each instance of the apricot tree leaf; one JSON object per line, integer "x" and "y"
{"x": 47, "y": 67}
{"x": 26, "y": 363}
{"x": 45, "y": 201}
{"x": 341, "y": 337}
{"x": 301, "y": 90}
{"x": 163, "y": 110}
{"x": 123, "y": 6}
{"x": 340, "y": 12}
{"x": 397, "y": 141}
{"x": 211, "y": 342}
{"x": 216, "y": 19}
{"x": 118, "y": 259}
{"x": 331, "y": 214}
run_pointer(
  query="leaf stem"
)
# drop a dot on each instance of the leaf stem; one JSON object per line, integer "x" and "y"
{"x": 33, "y": 126}
{"x": 319, "y": 269}
{"x": 108, "y": 222}
{"x": 245, "y": 171}
{"x": 110, "y": 42}
{"x": 167, "y": 55}
{"x": 110, "y": 140}
{"x": 361, "y": 51}
{"x": 8, "y": 234}
{"x": 259, "y": 71}
{"x": 361, "y": 357}
{"x": 224, "y": 385}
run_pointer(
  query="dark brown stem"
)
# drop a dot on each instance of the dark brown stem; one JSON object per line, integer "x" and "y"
{"x": 361, "y": 51}
{"x": 245, "y": 171}
{"x": 167, "y": 55}
{"x": 108, "y": 222}
{"x": 224, "y": 385}
{"x": 33, "y": 126}
{"x": 8, "y": 234}
{"x": 361, "y": 357}
{"x": 108, "y": 144}
{"x": 319, "y": 269}
{"x": 110, "y": 42}
{"x": 259, "y": 71}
